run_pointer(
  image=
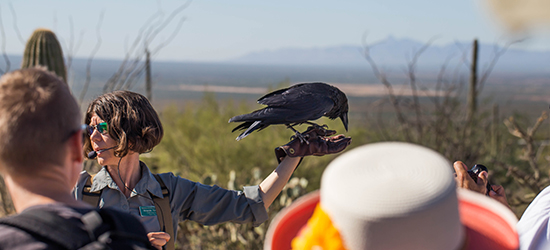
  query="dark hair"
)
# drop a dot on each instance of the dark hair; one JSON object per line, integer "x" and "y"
{"x": 37, "y": 115}
{"x": 132, "y": 121}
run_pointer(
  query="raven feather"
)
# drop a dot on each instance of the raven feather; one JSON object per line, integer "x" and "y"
{"x": 300, "y": 103}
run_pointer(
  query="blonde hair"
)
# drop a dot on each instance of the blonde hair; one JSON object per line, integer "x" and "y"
{"x": 37, "y": 115}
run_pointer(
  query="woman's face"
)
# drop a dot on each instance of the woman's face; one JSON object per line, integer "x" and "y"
{"x": 101, "y": 141}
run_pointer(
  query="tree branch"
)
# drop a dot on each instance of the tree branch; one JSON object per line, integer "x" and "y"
{"x": 15, "y": 27}
{"x": 91, "y": 58}
{"x": 4, "y": 54}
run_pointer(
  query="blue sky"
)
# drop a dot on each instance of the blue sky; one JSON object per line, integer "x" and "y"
{"x": 217, "y": 30}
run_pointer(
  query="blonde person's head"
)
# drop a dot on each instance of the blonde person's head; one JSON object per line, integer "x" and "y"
{"x": 38, "y": 114}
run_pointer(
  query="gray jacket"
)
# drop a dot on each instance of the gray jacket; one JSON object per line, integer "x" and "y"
{"x": 189, "y": 200}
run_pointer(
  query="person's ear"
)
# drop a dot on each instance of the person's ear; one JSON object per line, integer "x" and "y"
{"x": 75, "y": 147}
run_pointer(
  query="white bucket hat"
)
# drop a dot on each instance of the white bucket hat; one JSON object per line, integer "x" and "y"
{"x": 395, "y": 195}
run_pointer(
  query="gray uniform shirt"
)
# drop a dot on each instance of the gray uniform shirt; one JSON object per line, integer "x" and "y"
{"x": 189, "y": 200}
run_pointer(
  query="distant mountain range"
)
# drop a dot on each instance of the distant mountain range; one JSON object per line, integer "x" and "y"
{"x": 393, "y": 52}
{"x": 338, "y": 64}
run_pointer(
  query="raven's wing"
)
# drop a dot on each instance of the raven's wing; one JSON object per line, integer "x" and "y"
{"x": 283, "y": 96}
{"x": 304, "y": 107}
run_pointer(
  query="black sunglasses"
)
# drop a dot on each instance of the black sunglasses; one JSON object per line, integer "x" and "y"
{"x": 82, "y": 127}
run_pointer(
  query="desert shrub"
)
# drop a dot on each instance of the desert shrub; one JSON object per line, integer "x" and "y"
{"x": 199, "y": 145}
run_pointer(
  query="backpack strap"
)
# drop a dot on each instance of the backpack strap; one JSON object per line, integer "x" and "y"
{"x": 108, "y": 227}
{"x": 165, "y": 218}
{"x": 89, "y": 197}
{"x": 49, "y": 227}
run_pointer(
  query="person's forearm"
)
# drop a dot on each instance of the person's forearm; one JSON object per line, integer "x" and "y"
{"x": 274, "y": 183}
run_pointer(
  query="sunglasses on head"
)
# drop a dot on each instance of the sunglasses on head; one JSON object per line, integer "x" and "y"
{"x": 101, "y": 128}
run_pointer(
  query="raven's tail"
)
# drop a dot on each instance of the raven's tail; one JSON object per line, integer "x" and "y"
{"x": 242, "y": 126}
{"x": 255, "y": 125}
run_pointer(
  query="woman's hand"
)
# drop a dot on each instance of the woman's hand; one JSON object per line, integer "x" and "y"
{"x": 158, "y": 239}
{"x": 318, "y": 141}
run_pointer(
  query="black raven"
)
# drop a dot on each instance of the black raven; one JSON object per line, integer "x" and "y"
{"x": 295, "y": 105}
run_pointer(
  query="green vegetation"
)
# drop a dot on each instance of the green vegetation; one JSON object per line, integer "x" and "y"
{"x": 199, "y": 145}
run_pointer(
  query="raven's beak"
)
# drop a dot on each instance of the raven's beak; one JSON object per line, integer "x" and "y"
{"x": 344, "y": 118}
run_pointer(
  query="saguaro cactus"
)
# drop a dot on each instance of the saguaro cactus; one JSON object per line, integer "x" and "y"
{"x": 43, "y": 49}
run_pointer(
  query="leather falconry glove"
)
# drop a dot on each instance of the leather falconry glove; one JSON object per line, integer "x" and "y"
{"x": 319, "y": 144}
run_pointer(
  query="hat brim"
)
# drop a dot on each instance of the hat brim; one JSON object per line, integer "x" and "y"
{"x": 289, "y": 221}
{"x": 488, "y": 224}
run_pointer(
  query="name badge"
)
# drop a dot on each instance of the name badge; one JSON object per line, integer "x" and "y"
{"x": 147, "y": 211}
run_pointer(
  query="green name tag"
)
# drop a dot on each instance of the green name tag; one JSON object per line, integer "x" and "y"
{"x": 147, "y": 211}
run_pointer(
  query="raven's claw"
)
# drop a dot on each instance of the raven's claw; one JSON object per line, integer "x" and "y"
{"x": 322, "y": 129}
{"x": 298, "y": 135}
{"x": 303, "y": 139}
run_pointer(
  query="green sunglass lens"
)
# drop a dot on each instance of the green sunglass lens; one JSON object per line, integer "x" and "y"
{"x": 102, "y": 128}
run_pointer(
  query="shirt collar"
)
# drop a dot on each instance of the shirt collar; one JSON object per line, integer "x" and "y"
{"x": 101, "y": 180}
{"x": 147, "y": 182}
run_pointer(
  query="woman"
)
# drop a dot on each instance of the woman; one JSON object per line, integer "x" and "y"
{"x": 122, "y": 125}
